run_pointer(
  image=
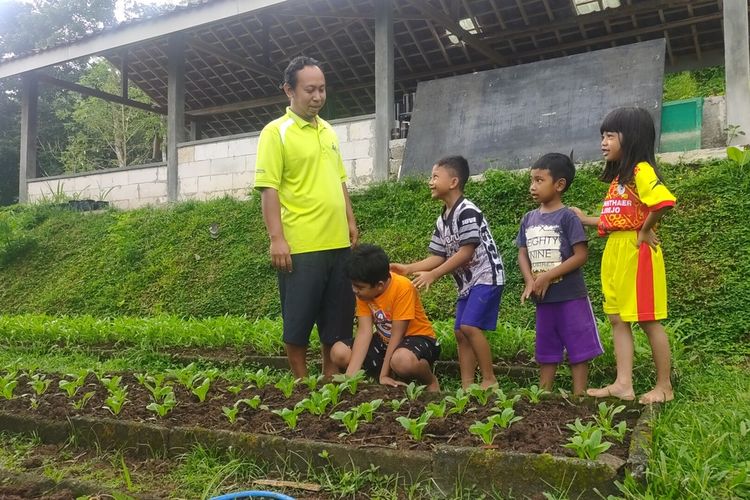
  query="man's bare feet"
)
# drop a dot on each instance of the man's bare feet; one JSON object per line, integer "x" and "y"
{"x": 657, "y": 395}
{"x": 613, "y": 391}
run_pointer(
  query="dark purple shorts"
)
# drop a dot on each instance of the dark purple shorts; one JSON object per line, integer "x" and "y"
{"x": 567, "y": 326}
{"x": 479, "y": 308}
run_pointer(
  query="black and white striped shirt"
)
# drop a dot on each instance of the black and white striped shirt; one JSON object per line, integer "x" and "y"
{"x": 465, "y": 225}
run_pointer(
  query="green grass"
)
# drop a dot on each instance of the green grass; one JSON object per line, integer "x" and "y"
{"x": 154, "y": 262}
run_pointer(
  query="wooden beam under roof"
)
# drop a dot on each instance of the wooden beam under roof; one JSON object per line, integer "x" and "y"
{"x": 456, "y": 29}
{"x": 88, "y": 91}
{"x": 226, "y": 56}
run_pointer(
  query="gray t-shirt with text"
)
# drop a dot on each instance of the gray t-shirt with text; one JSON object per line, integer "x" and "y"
{"x": 549, "y": 239}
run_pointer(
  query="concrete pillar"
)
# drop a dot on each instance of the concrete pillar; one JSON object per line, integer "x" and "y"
{"x": 175, "y": 109}
{"x": 737, "y": 65}
{"x": 29, "y": 129}
{"x": 384, "y": 81}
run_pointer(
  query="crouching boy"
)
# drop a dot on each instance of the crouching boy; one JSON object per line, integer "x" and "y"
{"x": 395, "y": 341}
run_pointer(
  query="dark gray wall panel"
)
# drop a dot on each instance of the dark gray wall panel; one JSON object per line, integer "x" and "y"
{"x": 508, "y": 117}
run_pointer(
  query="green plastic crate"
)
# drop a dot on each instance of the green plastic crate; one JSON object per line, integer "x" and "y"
{"x": 681, "y": 123}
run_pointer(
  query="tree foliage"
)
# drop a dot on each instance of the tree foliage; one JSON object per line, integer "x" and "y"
{"x": 103, "y": 134}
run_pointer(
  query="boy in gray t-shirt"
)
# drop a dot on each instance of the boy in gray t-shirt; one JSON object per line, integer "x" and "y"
{"x": 552, "y": 248}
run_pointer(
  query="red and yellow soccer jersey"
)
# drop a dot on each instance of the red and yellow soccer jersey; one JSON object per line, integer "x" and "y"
{"x": 626, "y": 207}
{"x": 400, "y": 301}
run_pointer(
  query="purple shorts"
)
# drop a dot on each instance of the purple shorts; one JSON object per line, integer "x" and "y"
{"x": 567, "y": 326}
{"x": 479, "y": 308}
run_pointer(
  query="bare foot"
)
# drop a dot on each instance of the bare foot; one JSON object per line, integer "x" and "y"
{"x": 613, "y": 391}
{"x": 657, "y": 395}
{"x": 434, "y": 386}
{"x": 489, "y": 384}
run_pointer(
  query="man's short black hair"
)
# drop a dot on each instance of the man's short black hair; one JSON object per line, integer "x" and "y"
{"x": 368, "y": 264}
{"x": 459, "y": 167}
{"x": 295, "y": 65}
{"x": 560, "y": 166}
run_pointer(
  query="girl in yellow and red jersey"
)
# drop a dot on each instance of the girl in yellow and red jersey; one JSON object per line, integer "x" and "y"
{"x": 633, "y": 278}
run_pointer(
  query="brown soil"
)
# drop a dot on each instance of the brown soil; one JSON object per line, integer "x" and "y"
{"x": 542, "y": 429}
{"x": 32, "y": 492}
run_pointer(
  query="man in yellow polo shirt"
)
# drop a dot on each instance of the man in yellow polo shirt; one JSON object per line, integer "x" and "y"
{"x": 309, "y": 217}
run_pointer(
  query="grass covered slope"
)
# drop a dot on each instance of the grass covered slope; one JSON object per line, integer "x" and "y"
{"x": 164, "y": 260}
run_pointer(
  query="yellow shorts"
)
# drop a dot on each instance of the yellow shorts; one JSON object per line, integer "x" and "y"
{"x": 634, "y": 283}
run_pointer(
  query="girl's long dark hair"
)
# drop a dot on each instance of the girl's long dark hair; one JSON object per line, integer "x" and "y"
{"x": 637, "y": 136}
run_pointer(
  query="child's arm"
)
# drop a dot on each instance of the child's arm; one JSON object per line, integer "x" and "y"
{"x": 461, "y": 258}
{"x": 525, "y": 265}
{"x": 543, "y": 280}
{"x": 398, "y": 329}
{"x": 427, "y": 264}
{"x": 587, "y": 220}
{"x": 361, "y": 344}
{"x": 647, "y": 234}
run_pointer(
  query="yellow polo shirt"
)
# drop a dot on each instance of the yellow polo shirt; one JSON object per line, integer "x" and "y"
{"x": 303, "y": 163}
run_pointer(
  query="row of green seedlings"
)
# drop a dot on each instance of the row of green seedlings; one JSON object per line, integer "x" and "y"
{"x": 588, "y": 439}
{"x": 318, "y": 403}
{"x": 163, "y": 399}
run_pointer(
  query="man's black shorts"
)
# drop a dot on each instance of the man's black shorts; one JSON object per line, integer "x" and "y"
{"x": 422, "y": 346}
{"x": 317, "y": 291}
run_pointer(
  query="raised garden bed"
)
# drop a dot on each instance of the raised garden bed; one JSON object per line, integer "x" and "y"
{"x": 527, "y": 458}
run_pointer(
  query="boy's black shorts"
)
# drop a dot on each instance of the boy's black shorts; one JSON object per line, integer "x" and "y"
{"x": 317, "y": 291}
{"x": 422, "y": 346}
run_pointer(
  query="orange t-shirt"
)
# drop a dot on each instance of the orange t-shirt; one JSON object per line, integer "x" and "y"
{"x": 626, "y": 207}
{"x": 399, "y": 302}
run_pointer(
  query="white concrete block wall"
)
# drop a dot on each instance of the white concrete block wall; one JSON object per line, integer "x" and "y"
{"x": 207, "y": 169}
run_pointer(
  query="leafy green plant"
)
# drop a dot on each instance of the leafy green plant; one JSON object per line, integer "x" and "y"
{"x": 111, "y": 383}
{"x": 83, "y": 400}
{"x": 415, "y": 426}
{"x": 534, "y": 393}
{"x": 502, "y": 401}
{"x": 459, "y": 402}
{"x": 368, "y": 408}
{"x": 333, "y": 392}
{"x": 116, "y": 400}
{"x": 158, "y": 387}
{"x": 253, "y": 403}
{"x": 396, "y": 404}
{"x": 260, "y": 378}
{"x": 485, "y": 430}
{"x": 438, "y": 409}
{"x": 234, "y": 389}
{"x": 286, "y": 384}
{"x": 316, "y": 403}
{"x": 581, "y": 429}
{"x": 349, "y": 419}
{"x": 349, "y": 383}
{"x": 413, "y": 391}
{"x": 741, "y": 156}
{"x": 588, "y": 448}
{"x": 39, "y": 382}
{"x": 481, "y": 395}
{"x": 289, "y": 416}
{"x": 8, "y": 384}
{"x": 505, "y": 418}
{"x": 230, "y": 413}
{"x": 311, "y": 381}
{"x": 71, "y": 386}
{"x": 201, "y": 390}
{"x": 165, "y": 406}
{"x": 606, "y": 414}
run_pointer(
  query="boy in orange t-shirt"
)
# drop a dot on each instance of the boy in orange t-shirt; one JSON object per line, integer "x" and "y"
{"x": 395, "y": 340}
